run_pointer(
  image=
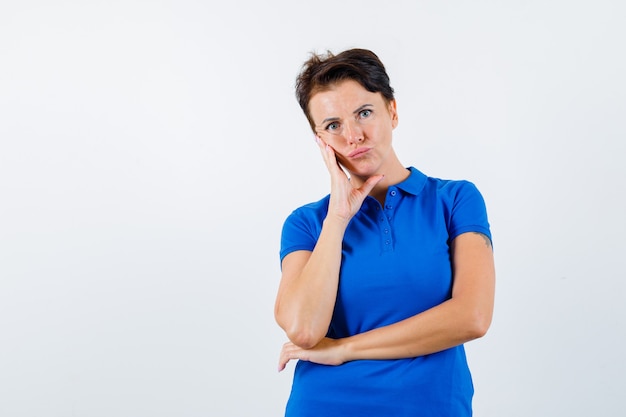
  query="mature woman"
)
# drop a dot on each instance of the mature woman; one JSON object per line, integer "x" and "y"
{"x": 384, "y": 279}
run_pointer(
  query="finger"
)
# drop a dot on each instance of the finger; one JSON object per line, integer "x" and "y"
{"x": 334, "y": 167}
{"x": 283, "y": 359}
{"x": 328, "y": 153}
{"x": 287, "y": 353}
{"x": 320, "y": 143}
{"x": 282, "y": 363}
{"x": 332, "y": 157}
{"x": 371, "y": 182}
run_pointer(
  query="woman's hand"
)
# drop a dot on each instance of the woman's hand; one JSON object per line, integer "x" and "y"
{"x": 345, "y": 199}
{"x": 326, "y": 352}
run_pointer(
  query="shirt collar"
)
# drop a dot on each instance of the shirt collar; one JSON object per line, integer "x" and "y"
{"x": 414, "y": 183}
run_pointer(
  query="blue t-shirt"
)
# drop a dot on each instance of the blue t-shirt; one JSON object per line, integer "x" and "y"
{"x": 395, "y": 264}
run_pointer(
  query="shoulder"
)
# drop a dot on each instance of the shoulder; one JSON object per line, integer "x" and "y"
{"x": 451, "y": 186}
{"x": 303, "y": 226}
{"x": 457, "y": 196}
{"x": 444, "y": 189}
{"x": 459, "y": 201}
{"x": 306, "y": 219}
{"x": 313, "y": 211}
{"x": 455, "y": 190}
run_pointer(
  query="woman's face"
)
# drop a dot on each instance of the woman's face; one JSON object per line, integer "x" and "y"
{"x": 357, "y": 124}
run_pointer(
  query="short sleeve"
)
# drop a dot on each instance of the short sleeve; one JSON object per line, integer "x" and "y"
{"x": 302, "y": 228}
{"x": 468, "y": 211}
{"x": 296, "y": 235}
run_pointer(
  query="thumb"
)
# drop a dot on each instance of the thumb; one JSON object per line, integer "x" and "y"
{"x": 371, "y": 183}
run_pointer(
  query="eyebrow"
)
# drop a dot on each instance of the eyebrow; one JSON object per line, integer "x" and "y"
{"x": 329, "y": 119}
{"x": 357, "y": 111}
{"x": 334, "y": 119}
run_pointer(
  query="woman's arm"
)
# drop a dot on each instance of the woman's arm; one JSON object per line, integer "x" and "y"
{"x": 464, "y": 317}
{"x": 308, "y": 286}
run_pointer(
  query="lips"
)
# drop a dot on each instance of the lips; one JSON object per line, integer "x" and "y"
{"x": 358, "y": 152}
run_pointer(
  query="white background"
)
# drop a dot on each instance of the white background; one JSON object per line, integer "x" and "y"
{"x": 150, "y": 151}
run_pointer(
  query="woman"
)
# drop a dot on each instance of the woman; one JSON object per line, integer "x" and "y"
{"x": 384, "y": 279}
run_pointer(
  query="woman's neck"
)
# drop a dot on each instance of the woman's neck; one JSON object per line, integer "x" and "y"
{"x": 394, "y": 173}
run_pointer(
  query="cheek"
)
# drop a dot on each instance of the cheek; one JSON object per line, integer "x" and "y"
{"x": 333, "y": 140}
{"x": 384, "y": 131}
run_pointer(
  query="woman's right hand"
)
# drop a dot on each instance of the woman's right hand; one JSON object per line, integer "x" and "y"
{"x": 345, "y": 198}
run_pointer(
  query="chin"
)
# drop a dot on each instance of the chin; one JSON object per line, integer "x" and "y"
{"x": 364, "y": 168}
{"x": 363, "y": 172}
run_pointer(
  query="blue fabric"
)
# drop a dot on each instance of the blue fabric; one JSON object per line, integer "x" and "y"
{"x": 395, "y": 264}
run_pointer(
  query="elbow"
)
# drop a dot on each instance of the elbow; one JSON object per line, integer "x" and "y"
{"x": 479, "y": 331}
{"x": 478, "y": 325}
{"x": 304, "y": 339}
{"x": 300, "y": 335}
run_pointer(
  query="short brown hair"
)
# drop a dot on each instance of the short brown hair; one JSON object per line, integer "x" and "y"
{"x": 320, "y": 72}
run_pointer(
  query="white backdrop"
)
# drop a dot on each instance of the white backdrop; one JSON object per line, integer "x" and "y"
{"x": 150, "y": 151}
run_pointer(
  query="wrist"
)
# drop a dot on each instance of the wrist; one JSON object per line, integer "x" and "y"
{"x": 346, "y": 349}
{"x": 336, "y": 221}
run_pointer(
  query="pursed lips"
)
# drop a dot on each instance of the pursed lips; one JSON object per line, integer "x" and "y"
{"x": 358, "y": 152}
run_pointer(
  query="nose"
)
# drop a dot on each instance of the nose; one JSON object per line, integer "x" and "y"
{"x": 353, "y": 132}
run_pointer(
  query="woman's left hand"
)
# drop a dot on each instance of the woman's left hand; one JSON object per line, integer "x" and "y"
{"x": 326, "y": 352}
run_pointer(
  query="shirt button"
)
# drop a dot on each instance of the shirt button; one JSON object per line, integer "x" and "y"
{"x": 386, "y": 231}
{"x": 393, "y": 193}
{"x": 388, "y": 206}
{"x": 387, "y": 242}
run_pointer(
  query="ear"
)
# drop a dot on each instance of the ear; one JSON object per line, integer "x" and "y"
{"x": 393, "y": 113}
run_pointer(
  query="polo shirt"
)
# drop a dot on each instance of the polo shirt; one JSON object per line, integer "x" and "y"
{"x": 395, "y": 264}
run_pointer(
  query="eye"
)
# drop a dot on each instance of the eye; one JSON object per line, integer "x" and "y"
{"x": 332, "y": 126}
{"x": 364, "y": 114}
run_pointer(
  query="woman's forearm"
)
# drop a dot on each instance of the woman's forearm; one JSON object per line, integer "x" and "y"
{"x": 464, "y": 317}
{"x": 306, "y": 299}
{"x": 444, "y": 326}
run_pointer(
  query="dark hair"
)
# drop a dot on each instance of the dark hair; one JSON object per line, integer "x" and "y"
{"x": 320, "y": 72}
